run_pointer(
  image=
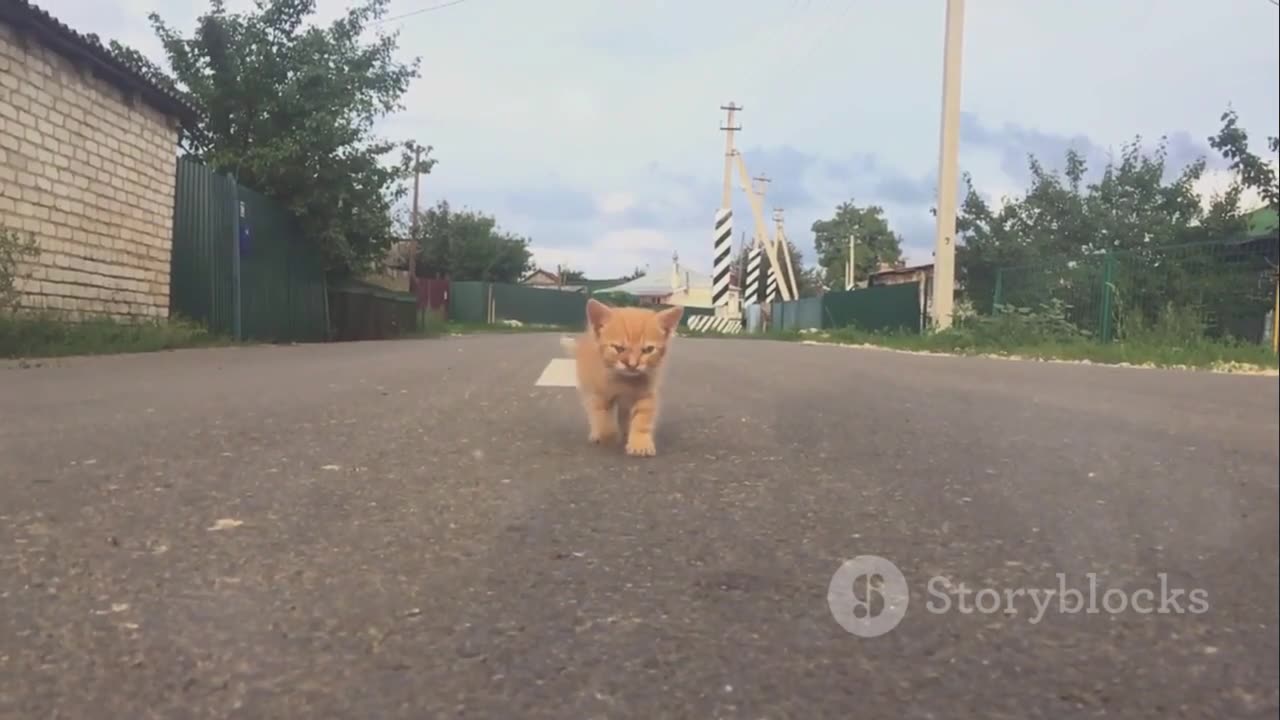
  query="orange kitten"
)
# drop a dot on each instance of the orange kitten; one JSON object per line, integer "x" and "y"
{"x": 619, "y": 360}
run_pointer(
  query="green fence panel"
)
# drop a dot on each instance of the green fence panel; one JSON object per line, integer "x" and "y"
{"x": 539, "y": 306}
{"x": 240, "y": 264}
{"x": 1176, "y": 293}
{"x": 362, "y": 312}
{"x": 201, "y": 280}
{"x": 1079, "y": 286}
{"x": 793, "y": 315}
{"x": 468, "y": 301}
{"x": 308, "y": 292}
{"x": 885, "y": 308}
{"x": 1212, "y": 291}
{"x": 281, "y": 278}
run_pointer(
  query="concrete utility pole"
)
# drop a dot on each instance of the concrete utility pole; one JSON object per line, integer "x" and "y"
{"x": 789, "y": 280}
{"x": 757, "y": 214}
{"x": 726, "y": 192}
{"x": 849, "y": 280}
{"x": 944, "y": 273}
{"x": 760, "y": 186}
{"x": 413, "y": 261}
{"x": 722, "y": 235}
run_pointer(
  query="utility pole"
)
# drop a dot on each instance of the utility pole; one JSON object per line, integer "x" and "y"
{"x": 413, "y": 261}
{"x": 757, "y": 214}
{"x": 850, "y": 281}
{"x": 784, "y": 252}
{"x": 726, "y": 190}
{"x": 722, "y": 236}
{"x": 944, "y": 273}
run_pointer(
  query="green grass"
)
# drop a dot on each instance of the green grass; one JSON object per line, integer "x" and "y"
{"x": 48, "y": 335}
{"x": 1039, "y": 336}
{"x": 1197, "y": 354}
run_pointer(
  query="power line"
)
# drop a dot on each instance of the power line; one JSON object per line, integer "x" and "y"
{"x": 419, "y": 11}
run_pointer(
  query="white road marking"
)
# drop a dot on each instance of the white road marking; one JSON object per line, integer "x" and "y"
{"x": 558, "y": 373}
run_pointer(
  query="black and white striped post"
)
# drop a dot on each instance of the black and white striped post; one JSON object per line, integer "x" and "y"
{"x": 771, "y": 290}
{"x": 752, "y": 287}
{"x": 721, "y": 264}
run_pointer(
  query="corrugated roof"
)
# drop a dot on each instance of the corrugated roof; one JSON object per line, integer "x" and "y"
{"x": 644, "y": 285}
{"x": 87, "y": 48}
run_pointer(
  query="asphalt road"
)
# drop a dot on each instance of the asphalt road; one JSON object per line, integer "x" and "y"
{"x": 412, "y": 529}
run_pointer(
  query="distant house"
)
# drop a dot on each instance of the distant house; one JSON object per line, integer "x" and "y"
{"x": 681, "y": 285}
{"x": 900, "y": 274}
{"x": 541, "y": 278}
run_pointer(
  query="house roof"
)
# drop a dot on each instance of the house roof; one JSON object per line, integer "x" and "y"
{"x": 660, "y": 284}
{"x": 539, "y": 272}
{"x": 88, "y": 49}
{"x": 607, "y": 284}
{"x": 645, "y": 285}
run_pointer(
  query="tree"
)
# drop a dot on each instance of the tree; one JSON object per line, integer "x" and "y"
{"x": 289, "y": 111}
{"x": 874, "y": 242}
{"x": 467, "y": 245}
{"x": 1255, "y": 173}
{"x": 569, "y": 275}
{"x": 1061, "y": 226}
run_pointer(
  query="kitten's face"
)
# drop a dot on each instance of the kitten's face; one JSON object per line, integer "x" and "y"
{"x": 632, "y": 341}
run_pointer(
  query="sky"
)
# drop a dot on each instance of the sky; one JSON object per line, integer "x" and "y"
{"x": 593, "y": 128}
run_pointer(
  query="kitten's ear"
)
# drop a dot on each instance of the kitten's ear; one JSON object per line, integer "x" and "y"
{"x": 597, "y": 314}
{"x": 670, "y": 318}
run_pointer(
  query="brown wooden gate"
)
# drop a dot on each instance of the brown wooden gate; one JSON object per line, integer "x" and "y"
{"x": 433, "y": 295}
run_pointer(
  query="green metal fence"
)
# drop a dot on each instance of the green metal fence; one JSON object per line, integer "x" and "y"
{"x": 802, "y": 314}
{"x": 538, "y": 306}
{"x": 474, "y": 301}
{"x": 876, "y": 309}
{"x": 240, "y": 263}
{"x": 202, "y": 279}
{"x": 1205, "y": 290}
{"x": 884, "y": 308}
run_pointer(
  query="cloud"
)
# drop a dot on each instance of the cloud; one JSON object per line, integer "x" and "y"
{"x": 614, "y": 203}
{"x": 610, "y": 254}
{"x": 641, "y": 240}
{"x": 1014, "y": 144}
{"x": 554, "y": 204}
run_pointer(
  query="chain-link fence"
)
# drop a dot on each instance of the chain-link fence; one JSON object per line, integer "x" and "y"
{"x": 1216, "y": 290}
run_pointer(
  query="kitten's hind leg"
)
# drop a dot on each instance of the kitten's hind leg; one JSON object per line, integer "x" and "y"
{"x": 623, "y": 410}
{"x": 601, "y": 417}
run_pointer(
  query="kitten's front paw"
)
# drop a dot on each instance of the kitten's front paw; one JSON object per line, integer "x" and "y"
{"x": 641, "y": 446}
{"x": 602, "y": 437}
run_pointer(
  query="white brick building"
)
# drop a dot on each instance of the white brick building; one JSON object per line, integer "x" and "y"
{"x": 87, "y": 153}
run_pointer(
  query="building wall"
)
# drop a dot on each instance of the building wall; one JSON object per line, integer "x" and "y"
{"x": 92, "y": 176}
{"x": 901, "y": 278}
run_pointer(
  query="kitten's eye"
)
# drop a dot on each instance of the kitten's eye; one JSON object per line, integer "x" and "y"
{"x": 619, "y": 349}
{"x": 647, "y": 349}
